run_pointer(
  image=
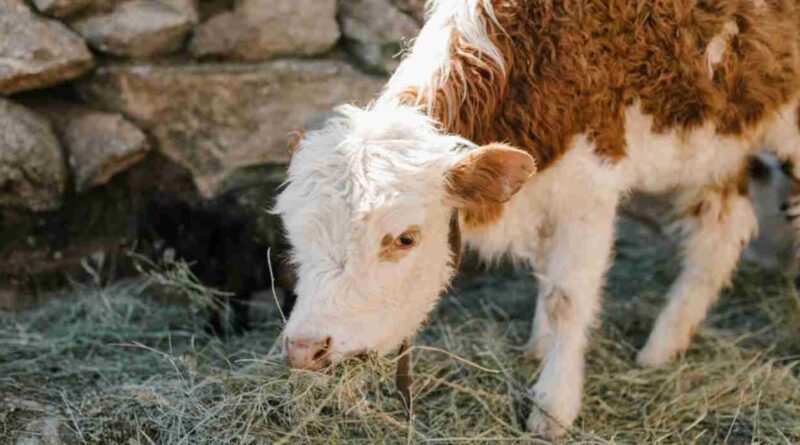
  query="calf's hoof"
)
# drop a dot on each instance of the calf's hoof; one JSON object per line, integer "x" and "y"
{"x": 648, "y": 358}
{"x": 543, "y": 425}
{"x": 657, "y": 354}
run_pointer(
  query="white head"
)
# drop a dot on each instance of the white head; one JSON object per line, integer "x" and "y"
{"x": 368, "y": 209}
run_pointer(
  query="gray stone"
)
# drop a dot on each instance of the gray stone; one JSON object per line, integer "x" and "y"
{"x": 32, "y": 171}
{"x": 138, "y": 29}
{"x": 98, "y": 144}
{"x": 71, "y": 10}
{"x": 374, "y": 32}
{"x": 41, "y": 53}
{"x": 214, "y": 119}
{"x": 61, "y": 8}
{"x": 262, "y": 29}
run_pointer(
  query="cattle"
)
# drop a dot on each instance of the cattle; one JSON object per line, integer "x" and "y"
{"x": 517, "y": 126}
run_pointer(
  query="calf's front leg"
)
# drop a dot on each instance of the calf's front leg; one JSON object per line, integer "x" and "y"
{"x": 569, "y": 297}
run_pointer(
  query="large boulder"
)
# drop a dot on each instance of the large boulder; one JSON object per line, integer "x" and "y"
{"x": 35, "y": 52}
{"x": 258, "y": 30}
{"x": 32, "y": 170}
{"x": 139, "y": 28}
{"x": 374, "y": 32}
{"x": 215, "y": 119}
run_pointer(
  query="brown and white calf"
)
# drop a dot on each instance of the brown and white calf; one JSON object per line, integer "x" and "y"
{"x": 599, "y": 98}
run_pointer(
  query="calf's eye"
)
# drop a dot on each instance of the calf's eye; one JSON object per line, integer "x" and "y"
{"x": 394, "y": 248}
{"x": 405, "y": 240}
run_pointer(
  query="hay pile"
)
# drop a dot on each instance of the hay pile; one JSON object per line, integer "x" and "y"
{"x": 112, "y": 365}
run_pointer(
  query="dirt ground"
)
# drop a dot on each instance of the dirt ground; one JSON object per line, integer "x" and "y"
{"x": 114, "y": 365}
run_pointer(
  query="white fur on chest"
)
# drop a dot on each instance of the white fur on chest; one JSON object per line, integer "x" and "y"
{"x": 575, "y": 185}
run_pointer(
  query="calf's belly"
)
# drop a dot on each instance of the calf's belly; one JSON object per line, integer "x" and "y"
{"x": 657, "y": 162}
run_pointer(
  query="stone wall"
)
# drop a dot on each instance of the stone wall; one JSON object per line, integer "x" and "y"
{"x": 104, "y": 103}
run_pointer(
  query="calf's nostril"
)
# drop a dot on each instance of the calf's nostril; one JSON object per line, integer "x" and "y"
{"x": 323, "y": 350}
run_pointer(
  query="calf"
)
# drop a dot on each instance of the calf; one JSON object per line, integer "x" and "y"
{"x": 599, "y": 99}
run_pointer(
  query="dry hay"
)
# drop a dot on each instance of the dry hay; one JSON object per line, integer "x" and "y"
{"x": 118, "y": 367}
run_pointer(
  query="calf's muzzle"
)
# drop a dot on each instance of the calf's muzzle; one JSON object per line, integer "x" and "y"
{"x": 306, "y": 353}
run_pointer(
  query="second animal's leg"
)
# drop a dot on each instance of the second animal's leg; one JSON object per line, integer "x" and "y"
{"x": 783, "y": 139}
{"x": 215, "y": 325}
{"x": 241, "y": 318}
{"x": 717, "y": 223}
{"x": 791, "y": 209}
{"x": 240, "y": 282}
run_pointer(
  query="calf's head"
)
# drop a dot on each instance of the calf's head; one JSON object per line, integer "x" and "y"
{"x": 369, "y": 211}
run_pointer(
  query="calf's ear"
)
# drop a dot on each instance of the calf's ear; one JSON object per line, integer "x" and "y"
{"x": 490, "y": 174}
{"x": 293, "y": 139}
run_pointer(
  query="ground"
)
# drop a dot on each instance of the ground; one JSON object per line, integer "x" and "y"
{"x": 113, "y": 364}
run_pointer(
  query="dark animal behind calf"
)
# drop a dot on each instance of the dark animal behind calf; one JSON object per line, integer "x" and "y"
{"x": 219, "y": 241}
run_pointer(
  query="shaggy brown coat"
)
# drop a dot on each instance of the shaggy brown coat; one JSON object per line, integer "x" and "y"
{"x": 572, "y": 67}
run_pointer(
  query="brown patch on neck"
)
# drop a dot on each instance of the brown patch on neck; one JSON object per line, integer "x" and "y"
{"x": 573, "y": 67}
